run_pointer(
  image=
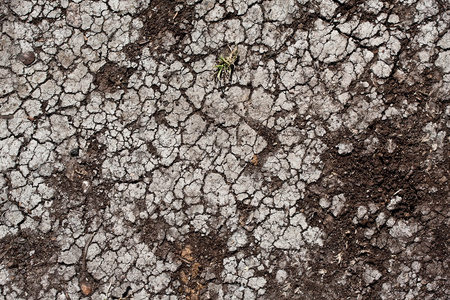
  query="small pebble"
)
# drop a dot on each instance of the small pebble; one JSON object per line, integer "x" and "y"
{"x": 27, "y": 58}
{"x": 75, "y": 152}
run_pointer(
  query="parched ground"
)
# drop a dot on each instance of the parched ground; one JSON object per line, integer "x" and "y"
{"x": 319, "y": 171}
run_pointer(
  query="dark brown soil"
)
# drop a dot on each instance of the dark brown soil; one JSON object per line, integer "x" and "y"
{"x": 29, "y": 257}
{"x": 112, "y": 77}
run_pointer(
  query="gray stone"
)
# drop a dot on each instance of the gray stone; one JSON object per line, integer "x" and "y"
{"x": 281, "y": 276}
{"x": 393, "y": 203}
{"x": 371, "y": 275}
{"x": 257, "y": 282}
{"x": 381, "y": 219}
{"x": 362, "y": 211}
{"x": 404, "y": 229}
{"x": 324, "y": 203}
{"x": 337, "y": 204}
{"x": 345, "y": 148}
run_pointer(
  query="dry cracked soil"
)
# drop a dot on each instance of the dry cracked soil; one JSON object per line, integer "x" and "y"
{"x": 318, "y": 170}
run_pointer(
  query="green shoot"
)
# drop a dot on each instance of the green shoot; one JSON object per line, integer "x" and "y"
{"x": 225, "y": 65}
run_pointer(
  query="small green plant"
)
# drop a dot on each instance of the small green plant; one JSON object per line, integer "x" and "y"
{"x": 225, "y": 65}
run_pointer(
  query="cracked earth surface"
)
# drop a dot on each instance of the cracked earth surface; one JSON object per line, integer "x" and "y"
{"x": 319, "y": 171}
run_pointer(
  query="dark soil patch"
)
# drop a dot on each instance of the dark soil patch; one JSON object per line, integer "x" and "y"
{"x": 161, "y": 18}
{"x": 28, "y": 256}
{"x": 399, "y": 164}
{"x": 200, "y": 255}
{"x": 133, "y": 51}
{"x": 112, "y": 77}
{"x": 163, "y": 15}
{"x": 75, "y": 183}
{"x": 391, "y": 159}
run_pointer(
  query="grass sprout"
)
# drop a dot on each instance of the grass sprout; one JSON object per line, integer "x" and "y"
{"x": 225, "y": 65}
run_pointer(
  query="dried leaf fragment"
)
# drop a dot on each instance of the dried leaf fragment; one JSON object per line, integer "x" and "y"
{"x": 184, "y": 278}
{"x": 254, "y": 160}
{"x": 186, "y": 253}
{"x": 195, "y": 270}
